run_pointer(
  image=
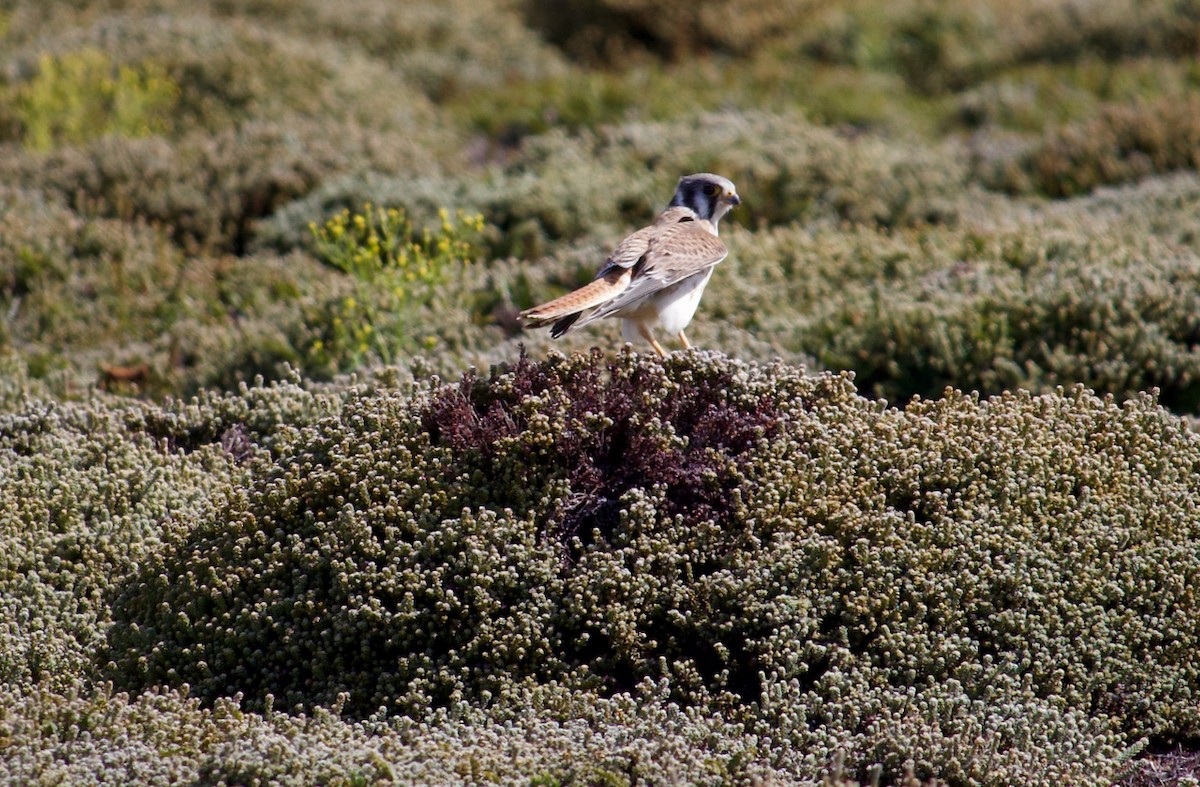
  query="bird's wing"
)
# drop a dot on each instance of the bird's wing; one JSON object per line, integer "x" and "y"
{"x": 614, "y": 276}
{"x": 631, "y": 250}
{"x": 675, "y": 253}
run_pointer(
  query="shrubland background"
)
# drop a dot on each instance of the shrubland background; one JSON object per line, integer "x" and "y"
{"x": 249, "y": 534}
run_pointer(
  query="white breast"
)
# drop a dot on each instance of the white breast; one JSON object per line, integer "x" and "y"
{"x": 676, "y": 307}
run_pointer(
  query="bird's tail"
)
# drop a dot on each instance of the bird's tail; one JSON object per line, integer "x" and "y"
{"x": 565, "y": 310}
{"x": 564, "y": 324}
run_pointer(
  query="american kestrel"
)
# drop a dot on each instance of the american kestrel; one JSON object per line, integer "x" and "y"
{"x": 655, "y": 277}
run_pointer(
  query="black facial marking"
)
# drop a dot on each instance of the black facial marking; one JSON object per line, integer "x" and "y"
{"x": 701, "y": 195}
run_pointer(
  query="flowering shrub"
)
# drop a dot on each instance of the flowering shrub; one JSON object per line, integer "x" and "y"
{"x": 82, "y": 95}
{"x": 393, "y": 269}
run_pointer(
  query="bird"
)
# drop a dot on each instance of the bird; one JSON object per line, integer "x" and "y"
{"x": 655, "y": 277}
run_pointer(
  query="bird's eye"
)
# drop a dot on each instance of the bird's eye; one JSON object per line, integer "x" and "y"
{"x": 710, "y": 189}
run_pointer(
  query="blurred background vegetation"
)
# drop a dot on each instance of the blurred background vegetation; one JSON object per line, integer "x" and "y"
{"x": 985, "y": 194}
{"x": 239, "y": 238}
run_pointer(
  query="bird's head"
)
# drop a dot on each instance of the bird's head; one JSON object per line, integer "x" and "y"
{"x": 710, "y": 196}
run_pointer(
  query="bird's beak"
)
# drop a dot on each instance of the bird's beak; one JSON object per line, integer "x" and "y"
{"x": 733, "y": 199}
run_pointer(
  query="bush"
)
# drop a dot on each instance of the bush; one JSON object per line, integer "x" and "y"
{"x": 942, "y": 46}
{"x": 261, "y": 54}
{"x": 207, "y": 191}
{"x": 259, "y": 318}
{"x": 771, "y": 81}
{"x": 564, "y": 186}
{"x": 827, "y": 574}
{"x": 87, "y": 502}
{"x": 77, "y": 294}
{"x": 799, "y": 173}
{"x": 521, "y": 639}
{"x": 441, "y": 48}
{"x": 612, "y": 31}
{"x": 92, "y": 488}
{"x": 393, "y": 270}
{"x": 100, "y": 736}
{"x": 230, "y": 71}
{"x": 100, "y": 302}
{"x": 77, "y": 97}
{"x": 1042, "y": 97}
{"x": 1121, "y": 143}
{"x": 1121, "y": 326}
{"x": 583, "y": 569}
{"x": 447, "y": 48}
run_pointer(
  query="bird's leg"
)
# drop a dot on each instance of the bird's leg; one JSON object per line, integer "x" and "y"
{"x": 645, "y": 332}
{"x": 686, "y": 344}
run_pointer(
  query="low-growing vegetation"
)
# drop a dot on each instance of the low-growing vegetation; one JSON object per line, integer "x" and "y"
{"x": 756, "y": 553}
{"x": 78, "y": 97}
{"x": 288, "y": 495}
{"x": 394, "y": 269}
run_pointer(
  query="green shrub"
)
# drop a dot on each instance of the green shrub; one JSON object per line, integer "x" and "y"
{"x": 259, "y": 317}
{"x": 573, "y": 101}
{"x": 81, "y": 96}
{"x": 100, "y": 736}
{"x": 229, "y": 71}
{"x": 579, "y": 570}
{"x": 441, "y": 48}
{"x": 563, "y": 186}
{"x": 796, "y": 172}
{"x": 99, "y": 300}
{"x": 85, "y": 502}
{"x": 829, "y": 574}
{"x": 1121, "y": 143}
{"x": 613, "y": 31}
{"x": 80, "y": 292}
{"x": 207, "y": 191}
{"x": 1041, "y": 96}
{"x": 771, "y": 81}
{"x": 33, "y": 234}
{"x": 944, "y": 46}
{"x": 265, "y": 56}
{"x": 1120, "y": 326}
{"x": 451, "y": 47}
{"x": 91, "y": 488}
{"x": 392, "y": 269}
